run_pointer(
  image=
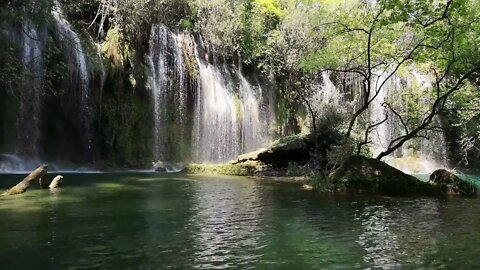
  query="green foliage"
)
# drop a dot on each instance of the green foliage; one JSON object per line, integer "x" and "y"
{"x": 321, "y": 184}
{"x": 125, "y": 121}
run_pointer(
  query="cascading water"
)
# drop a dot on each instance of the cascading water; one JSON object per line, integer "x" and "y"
{"x": 383, "y": 134}
{"x": 233, "y": 116}
{"x": 79, "y": 77}
{"x": 218, "y": 131}
{"x": 256, "y": 116}
{"x": 30, "y": 97}
{"x": 73, "y": 99}
{"x": 26, "y": 152}
{"x": 229, "y": 116}
{"x": 170, "y": 85}
{"x": 421, "y": 155}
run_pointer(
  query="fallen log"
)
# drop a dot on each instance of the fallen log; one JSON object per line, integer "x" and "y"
{"x": 37, "y": 175}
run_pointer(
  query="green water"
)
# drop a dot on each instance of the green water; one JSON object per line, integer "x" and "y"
{"x": 149, "y": 221}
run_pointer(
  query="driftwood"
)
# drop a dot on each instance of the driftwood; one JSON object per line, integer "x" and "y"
{"x": 56, "y": 182}
{"x": 37, "y": 175}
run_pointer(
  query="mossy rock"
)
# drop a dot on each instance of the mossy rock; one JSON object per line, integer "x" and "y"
{"x": 289, "y": 149}
{"x": 366, "y": 175}
{"x": 450, "y": 184}
{"x": 273, "y": 161}
{"x": 243, "y": 169}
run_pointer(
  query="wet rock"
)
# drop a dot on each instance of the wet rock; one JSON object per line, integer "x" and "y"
{"x": 56, "y": 182}
{"x": 367, "y": 175}
{"x": 159, "y": 166}
{"x": 308, "y": 187}
{"x": 450, "y": 184}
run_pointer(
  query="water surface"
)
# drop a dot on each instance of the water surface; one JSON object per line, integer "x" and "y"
{"x": 153, "y": 221}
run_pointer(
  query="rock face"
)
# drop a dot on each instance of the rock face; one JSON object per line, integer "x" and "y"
{"x": 361, "y": 174}
{"x": 290, "y": 149}
{"x": 294, "y": 148}
{"x": 38, "y": 175}
{"x": 450, "y": 184}
{"x": 56, "y": 182}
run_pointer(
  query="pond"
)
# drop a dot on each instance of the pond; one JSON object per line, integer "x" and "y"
{"x": 174, "y": 221}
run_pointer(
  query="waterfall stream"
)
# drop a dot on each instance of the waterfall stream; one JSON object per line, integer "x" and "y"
{"x": 230, "y": 115}
{"x": 79, "y": 76}
{"x": 30, "y": 98}
{"x": 32, "y": 115}
{"x": 420, "y": 155}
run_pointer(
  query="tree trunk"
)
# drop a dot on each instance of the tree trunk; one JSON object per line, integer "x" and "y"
{"x": 37, "y": 175}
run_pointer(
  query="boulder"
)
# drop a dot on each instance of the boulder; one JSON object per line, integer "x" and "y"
{"x": 295, "y": 148}
{"x": 159, "y": 166}
{"x": 56, "y": 182}
{"x": 450, "y": 184}
{"x": 367, "y": 175}
{"x": 291, "y": 149}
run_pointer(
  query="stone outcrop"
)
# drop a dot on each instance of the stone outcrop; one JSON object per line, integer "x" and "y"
{"x": 450, "y": 184}
{"x": 367, "y": 175}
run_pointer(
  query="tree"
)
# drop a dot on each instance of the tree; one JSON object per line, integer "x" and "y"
{"x": 374, "y": 40}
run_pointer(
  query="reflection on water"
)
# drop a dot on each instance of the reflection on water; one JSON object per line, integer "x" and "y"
{"x": 380, "y": 243}
{"x": 227, "y": 217}
{"x": 391, "y": 231}
{"x": 151, "y": 221}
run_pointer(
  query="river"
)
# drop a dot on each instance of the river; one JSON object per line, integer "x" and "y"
{"x": 175, "y": 221}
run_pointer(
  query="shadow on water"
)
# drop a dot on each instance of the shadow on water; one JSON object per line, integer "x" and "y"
{"x": 154, "y": 221}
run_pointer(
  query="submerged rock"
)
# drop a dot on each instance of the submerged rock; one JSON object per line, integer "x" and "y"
{"x": 159, "y": 166}
{"x": 362, "y": 174}
{"x": 450, "y": 184}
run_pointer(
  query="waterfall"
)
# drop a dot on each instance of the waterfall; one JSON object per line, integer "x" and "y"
{"x": 25, "y": 150}
{"x": 218, "y": 129}
{"x": 209, "y": 110}
{"x": 79, "y": 77}
{"x": 420, "y": 155}
{"x": 169, "y": 83}
{"x": 256, "y": 116}
{"x": 233, "y": 116}
{"x": 383, "y": 134}
{"x": 30, "y": 96}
